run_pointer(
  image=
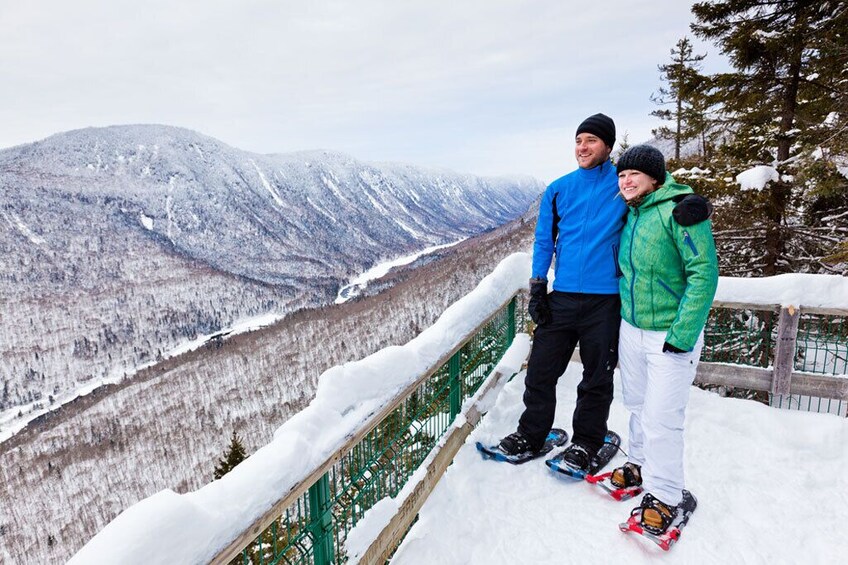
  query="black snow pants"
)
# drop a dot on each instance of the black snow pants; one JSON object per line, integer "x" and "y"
{"x": 592, "y": 320}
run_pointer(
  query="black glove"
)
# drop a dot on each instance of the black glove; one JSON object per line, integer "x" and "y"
{"x": 669, "y": 348}
{"x": 691, "y": 209}
{"x": 540, "y": 311}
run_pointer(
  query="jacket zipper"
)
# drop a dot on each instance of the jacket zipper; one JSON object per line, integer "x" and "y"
{"x": 583, "y": 229}
{"x": 689, "y": 242}
{"x": 668, "y": 288}
{"x": 633, "y": 267}
{"x": 618, "y": 272}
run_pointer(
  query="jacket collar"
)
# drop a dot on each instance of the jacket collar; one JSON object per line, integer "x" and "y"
{"x": 603, "y": 169}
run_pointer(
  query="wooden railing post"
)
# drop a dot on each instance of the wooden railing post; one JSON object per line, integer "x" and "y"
{"x": 784, "y": 354}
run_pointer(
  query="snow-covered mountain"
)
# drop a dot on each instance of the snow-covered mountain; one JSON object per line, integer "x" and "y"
{"x": 119, "y": 243}
{"x": 273, "y": 218}
{"x": 64, "y": 477}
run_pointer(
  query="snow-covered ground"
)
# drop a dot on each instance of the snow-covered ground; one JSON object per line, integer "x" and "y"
{"x": 771, "y": 485}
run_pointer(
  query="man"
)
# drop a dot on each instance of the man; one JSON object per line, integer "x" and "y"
{"x": 580, "y": 220}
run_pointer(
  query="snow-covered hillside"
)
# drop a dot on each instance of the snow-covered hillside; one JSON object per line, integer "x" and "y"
{"x": 271, "y": 218}
{"x": 67, "y": 475}
{"x": 118, "y": 244}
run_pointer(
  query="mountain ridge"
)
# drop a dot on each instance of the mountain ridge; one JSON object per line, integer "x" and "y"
{"x": 165, "y": 187}
{"x": 122, "y": 242}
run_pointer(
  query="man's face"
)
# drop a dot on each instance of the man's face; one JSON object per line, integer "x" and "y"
{"x": 590, "y": 151}
{"x": 634, "y": 184}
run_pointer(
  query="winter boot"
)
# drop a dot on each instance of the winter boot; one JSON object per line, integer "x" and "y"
{"x": 656, "y": 515}
{"x": 517, "y": 443}
{"x": 577, "y": 457}
{"x": 626, "y": 476}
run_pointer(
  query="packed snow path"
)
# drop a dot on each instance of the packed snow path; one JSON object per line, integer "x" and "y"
{"x": 772, "y": 488}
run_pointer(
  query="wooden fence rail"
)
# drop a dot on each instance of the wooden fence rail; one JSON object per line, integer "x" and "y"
{"x": 781, "y": 378}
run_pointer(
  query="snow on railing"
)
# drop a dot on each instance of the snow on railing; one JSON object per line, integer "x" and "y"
{"x": 392, "y": 408}
{"x": 351, "y": 399}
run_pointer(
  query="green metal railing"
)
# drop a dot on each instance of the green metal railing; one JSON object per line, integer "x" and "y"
{"x": 314, "y": 529}
{"x": 742, "y": 337}
{"x": 748, "y": 336}
{"x": 821, "y": 348}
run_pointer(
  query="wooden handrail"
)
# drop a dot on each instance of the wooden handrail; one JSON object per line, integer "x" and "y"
{"x": 268, "y": 517}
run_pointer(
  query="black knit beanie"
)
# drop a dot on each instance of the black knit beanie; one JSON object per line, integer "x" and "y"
{"x": 643, "y": 158}
{"x": 599, "y": 125}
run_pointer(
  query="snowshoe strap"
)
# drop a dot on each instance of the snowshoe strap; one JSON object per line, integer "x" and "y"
{"x": 515, "y": 443}
{"x": 656, "y": 515}
{"x": 628, "y": 475}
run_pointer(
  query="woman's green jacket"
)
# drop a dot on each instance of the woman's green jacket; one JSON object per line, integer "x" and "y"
{"x": 669, "y": 272}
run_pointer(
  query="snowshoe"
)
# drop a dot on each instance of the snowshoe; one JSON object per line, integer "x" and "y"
{"x": 577, "y": 463}
{"x": 516, "y": 449}
{"x": 655, "y": 516}
{"x": 630, "y": 489}
{"x": 628, "y": 475}
{"x": 671, "y": 533}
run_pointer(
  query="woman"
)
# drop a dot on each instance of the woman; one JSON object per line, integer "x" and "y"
{"x": 670, "y": 274}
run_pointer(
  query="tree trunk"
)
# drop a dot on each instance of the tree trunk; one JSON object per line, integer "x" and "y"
{"x": 781, "y": 190}
{"x": 678, "y": 134}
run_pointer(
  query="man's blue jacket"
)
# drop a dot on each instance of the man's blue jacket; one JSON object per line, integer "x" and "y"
{"x": 580, "y": 219}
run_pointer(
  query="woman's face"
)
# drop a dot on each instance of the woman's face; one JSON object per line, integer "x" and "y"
{"x": 635, "y": 184}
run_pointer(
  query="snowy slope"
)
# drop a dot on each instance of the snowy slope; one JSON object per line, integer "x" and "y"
{"x": 175, "y": 419}
{"x": 771, "y": 485}
{"x": 192, "y": 527}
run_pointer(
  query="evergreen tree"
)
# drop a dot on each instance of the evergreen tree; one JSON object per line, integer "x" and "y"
{"x": 234, "y": 455}
{"x": 683, "y": 80}
{"x": 783, "y": 105}
{"x": 620, "y": 148}
{"x": 625, "y": 142}
{"x": 272, "y": 539}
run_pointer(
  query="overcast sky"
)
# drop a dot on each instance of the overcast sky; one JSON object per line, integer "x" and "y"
{"x": 483, "y": 86}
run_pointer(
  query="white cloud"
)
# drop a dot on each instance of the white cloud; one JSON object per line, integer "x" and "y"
{"x": 426, "y": 82}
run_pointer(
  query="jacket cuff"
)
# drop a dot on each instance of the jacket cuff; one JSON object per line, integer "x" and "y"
{"x": 673, "y": 340}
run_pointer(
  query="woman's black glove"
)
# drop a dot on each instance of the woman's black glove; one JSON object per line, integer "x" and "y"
{"x": 667, "y": 347}
{"x": 540, "y": 311}
{"x": 691, "y": 209}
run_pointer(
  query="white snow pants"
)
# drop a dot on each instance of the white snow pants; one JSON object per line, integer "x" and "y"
{"x": 656, "y": 391}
